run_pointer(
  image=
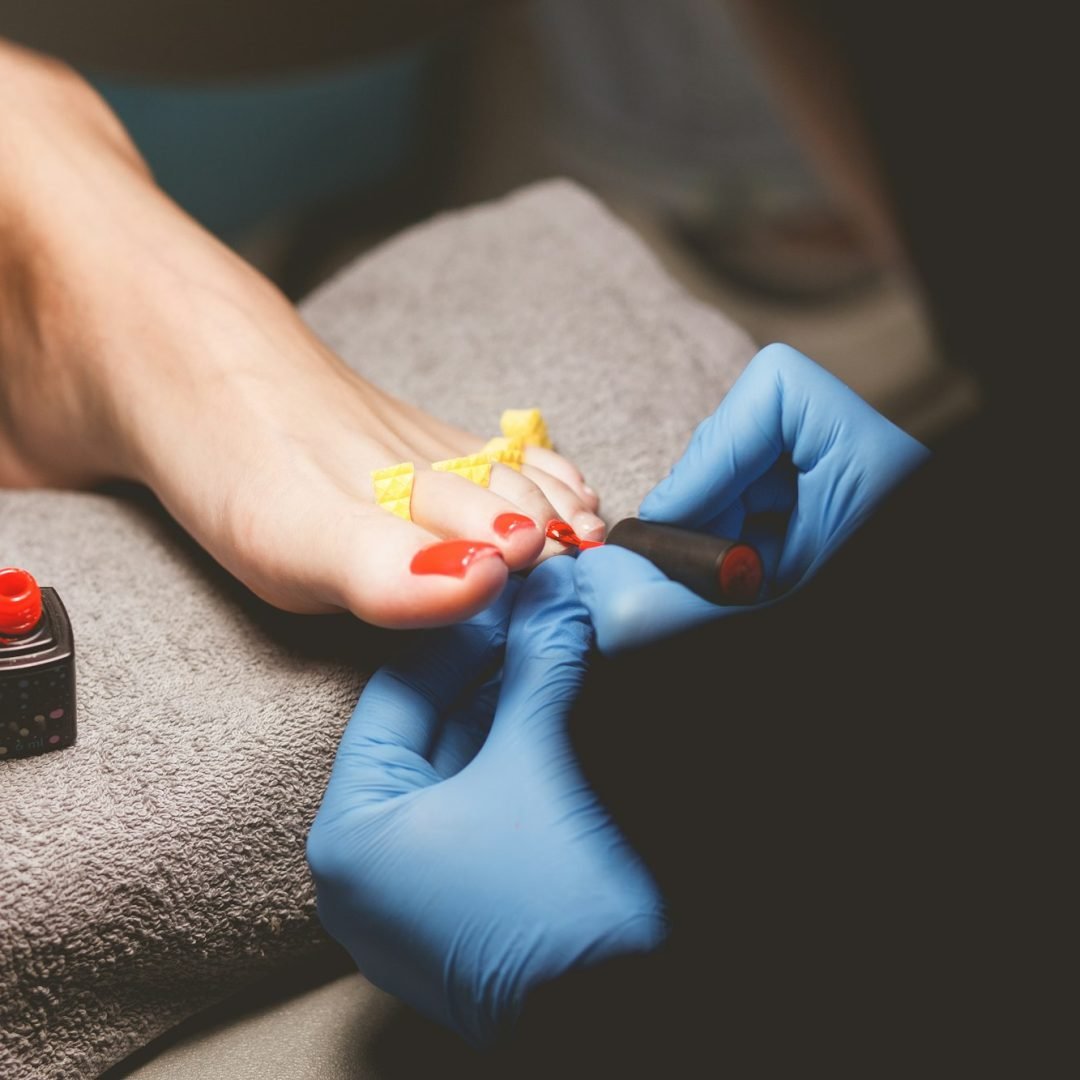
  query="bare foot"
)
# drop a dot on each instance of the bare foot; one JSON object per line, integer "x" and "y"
{"x": 133, "y": 345}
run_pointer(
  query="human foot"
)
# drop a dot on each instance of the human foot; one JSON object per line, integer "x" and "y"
{"x": 133, "y": 345}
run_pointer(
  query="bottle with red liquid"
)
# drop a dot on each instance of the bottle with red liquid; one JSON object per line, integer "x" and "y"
{"x": 37, "y": 668}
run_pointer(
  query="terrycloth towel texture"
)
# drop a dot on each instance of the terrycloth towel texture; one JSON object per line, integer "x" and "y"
{"x": 158, "y": 865}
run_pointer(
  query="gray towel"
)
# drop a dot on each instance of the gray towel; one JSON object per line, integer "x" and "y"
{"x": 158, "y": 865}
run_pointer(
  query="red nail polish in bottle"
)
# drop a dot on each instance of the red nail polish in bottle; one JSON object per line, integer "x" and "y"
{"x": 37, "y": 668}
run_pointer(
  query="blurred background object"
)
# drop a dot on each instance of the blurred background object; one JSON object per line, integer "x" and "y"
{"x": 247, "y": 154}
{"x": 267, "y": 162}
{"x": 665, "y": 111}
{"x": 304, "y": 134}
{"x": 665, "y": 103}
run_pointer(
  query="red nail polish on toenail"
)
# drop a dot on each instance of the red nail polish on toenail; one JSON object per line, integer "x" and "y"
{"x": 505, "y": 524}
{"x": 451, "y": 557}
{"x": 561, "y": 531}
{"x": 564, "y": 533}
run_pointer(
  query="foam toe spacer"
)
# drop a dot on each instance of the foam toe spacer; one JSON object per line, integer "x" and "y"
{"x": 527, "y": 425}
{"x": 475, "y": 467}
{"x": 520, "y": 428}
{"x": 506, "y": 451}
{"x": 393, "y": 488}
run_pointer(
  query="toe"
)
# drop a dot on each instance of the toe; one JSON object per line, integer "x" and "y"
{"x": 563, "y": 470}
{"x": 528, "y": 495}
{"x": 393, "y": 573}
{"x": 568, "y": 503}
{"x": 447, "y": 505}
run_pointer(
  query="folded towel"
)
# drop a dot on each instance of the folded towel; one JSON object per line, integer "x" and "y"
{"x": 158, "y": 865}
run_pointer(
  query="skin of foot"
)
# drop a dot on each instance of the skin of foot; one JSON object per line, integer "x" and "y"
{"x": 133, "y": 345}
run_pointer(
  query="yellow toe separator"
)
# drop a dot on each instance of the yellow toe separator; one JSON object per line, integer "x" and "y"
{"x": 393, "y": 488}
{"x": 520, "y": 428}
{"x": 475, "y": 467}
{"x": 527, "y": 425}
{"x": 506, "y": 451}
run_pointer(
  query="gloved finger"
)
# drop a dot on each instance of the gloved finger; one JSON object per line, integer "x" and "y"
{"x": 385, "y": 750}
{"x": 464, "y": 730}
{"x": 775, "y": 492}
{"x": 760, "y": 515}
{"x": 631, "y": 602}
{"x": 728, "y": 451}
{"x": 836, "y": 496}
{"x": 767, "y": 534}
{"x": 825, "y": 513}
{"x": 729, "y": 522}
{"x": 546, "y": 652}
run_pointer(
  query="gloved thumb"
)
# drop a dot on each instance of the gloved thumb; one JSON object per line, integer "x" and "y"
{"x": 631, "y": 602}
{"x": 546, "y": 654}
{"x": 387, "y": 746}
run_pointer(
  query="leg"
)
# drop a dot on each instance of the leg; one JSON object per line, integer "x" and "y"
{"x": 136, "y": 346}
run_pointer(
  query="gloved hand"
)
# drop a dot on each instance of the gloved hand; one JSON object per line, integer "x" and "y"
{"x": 460, "y": 856}
{"x": 792, "y": 461}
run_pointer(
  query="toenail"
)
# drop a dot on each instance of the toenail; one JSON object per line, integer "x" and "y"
{"x": 451, "y": 557}
{"x": 589, "y": 525}
{"x": 506, "y": 524}
{"x": 557, "y": 529}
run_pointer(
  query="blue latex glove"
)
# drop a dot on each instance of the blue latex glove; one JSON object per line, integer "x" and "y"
{"x": 462, "y": 866}
{"x": 791, "y": 442}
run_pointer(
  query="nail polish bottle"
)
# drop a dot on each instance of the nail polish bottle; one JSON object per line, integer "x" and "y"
{"x": 37, "y": 668}
{"x": 721, "y": 570}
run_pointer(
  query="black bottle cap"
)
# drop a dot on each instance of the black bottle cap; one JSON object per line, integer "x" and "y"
{"x": 722, "y": 570}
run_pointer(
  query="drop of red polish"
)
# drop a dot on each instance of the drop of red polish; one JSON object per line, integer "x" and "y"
{"x": 451, "y": 557}
{"x": 505, "y": 524}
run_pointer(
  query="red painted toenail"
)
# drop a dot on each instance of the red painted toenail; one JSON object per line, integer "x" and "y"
{"x": 451, "y": 557}
{"x": 20, "y": 601}
{"x": 564, "y": 533}
{"x": 505, "y": 524}
{"x": 561, "y": 531}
